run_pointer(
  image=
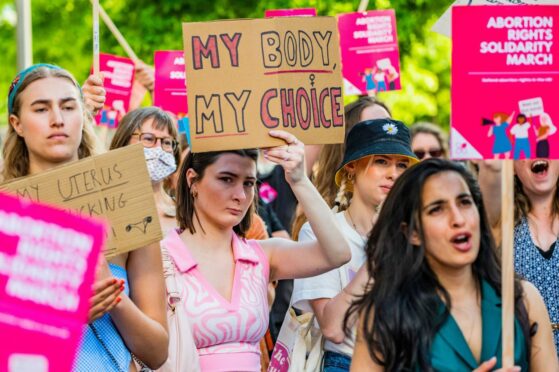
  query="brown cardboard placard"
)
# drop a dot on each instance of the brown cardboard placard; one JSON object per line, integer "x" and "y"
{"x": 246, "y": 77}
{"x": 115, "y": 186}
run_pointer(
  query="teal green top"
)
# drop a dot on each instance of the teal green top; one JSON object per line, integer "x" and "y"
{"x": 450, "y": 351}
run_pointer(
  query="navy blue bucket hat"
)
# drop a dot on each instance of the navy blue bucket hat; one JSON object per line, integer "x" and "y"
{"x": 376, "y": 137}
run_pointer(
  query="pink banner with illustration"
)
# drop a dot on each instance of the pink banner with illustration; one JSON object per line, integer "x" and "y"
{"x": 505, "y": 79}
{"x": 170, "y": 84}
{"x": 119, "y": 78}
{"x": 370, "y": 54}
{"x": 296, "y": 12}
{"x": 48, "y": 259}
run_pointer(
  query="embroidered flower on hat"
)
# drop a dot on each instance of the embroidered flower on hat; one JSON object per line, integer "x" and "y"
{"x": 390, "y": 129}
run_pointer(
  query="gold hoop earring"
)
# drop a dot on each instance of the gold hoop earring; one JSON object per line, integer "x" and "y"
{"x": 351, "y": 177}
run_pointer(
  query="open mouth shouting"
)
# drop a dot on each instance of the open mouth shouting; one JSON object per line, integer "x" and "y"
{"x": 462, "y": 241}
{"x": 540, "y": 167}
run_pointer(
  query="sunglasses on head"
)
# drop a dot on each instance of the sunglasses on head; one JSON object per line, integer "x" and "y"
{"x": 433, "y": 153}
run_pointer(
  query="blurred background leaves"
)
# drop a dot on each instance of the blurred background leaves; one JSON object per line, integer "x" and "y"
{"x": 62, "y": 35}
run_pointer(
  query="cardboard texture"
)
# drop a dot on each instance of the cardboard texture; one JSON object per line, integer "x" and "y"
{"x": 48, "y": 259}
{"x": 370, "y": 54}
{"x": 505, "y": 75}
{"x": 119, "y": 78}
{"x": 246, "y": 77}
{"x": 114, "y": 185}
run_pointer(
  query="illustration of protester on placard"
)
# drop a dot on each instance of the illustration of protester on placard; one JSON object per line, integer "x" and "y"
{"x": 389, "y": 71}
{"x": 520, "y": 132}
{"x": 380, "y": 80}
{"x": 111, "y": 115}
{"x": 545, "y": 129}
{"x": 369, "y": 79}
{"x": 498, "y": 129}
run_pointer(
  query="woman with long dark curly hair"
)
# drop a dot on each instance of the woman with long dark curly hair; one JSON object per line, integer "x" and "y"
{"x": 434, "y": 301}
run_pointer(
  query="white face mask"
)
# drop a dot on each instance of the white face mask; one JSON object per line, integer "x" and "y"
{"x": 160, "y": 163}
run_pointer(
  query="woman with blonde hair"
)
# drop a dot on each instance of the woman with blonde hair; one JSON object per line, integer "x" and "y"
{"x": 377, "y": 153}
{"x": 49, "y": 127}
{"x": 331, "y": 156}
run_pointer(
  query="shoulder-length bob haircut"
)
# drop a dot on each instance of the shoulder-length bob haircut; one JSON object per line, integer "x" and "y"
{"x": 132, "y": 123}
{"x": 186, "y": 212}
{"x": 400, "y": 309}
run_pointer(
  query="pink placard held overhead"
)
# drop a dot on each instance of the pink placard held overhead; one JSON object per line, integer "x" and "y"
{"x": 505, "y": 79}
{"x": 48, "y": 260}
{"x": 119, "y": 78}
{"x": 370, "y": 54}
{"x": 296, "y": 12}
{"x": 170, "y": 85}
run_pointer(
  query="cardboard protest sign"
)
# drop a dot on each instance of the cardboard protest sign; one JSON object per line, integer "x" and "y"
{"x": 115, "y": 186}
{"x": 296, "y": 12}
{"x": 119, "y": 78}
{"x": 170, "y": 82}
{"x": 505, "y": 68}
{"x": 48, "y": 259}
{"x": 246, "y": 77}
{"x": 443, "y": 24}
{"x": 370, "y": 55}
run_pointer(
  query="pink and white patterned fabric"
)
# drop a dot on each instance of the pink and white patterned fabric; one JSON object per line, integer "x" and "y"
{"x": 227, "y": 334}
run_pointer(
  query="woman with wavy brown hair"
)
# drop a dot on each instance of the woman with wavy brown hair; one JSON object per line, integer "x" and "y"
{"x": 536, "y": 232}
{"x": 434, "y": 298}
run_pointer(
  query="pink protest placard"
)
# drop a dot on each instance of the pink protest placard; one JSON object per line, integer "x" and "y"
{"x": 505, "y": 78}
{"x": 370, "y": 54}
{"x": 119, "y": 78}
{"x": 48, "y": 260}
{"x": 296, "y": 12}
{"x": 170, "y": 82}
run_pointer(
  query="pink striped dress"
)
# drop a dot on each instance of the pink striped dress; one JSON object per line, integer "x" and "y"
{"x": 227, "y": 334}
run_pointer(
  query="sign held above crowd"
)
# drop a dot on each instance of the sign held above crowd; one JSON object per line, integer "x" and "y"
{"x": 246, "y": 77}
{"x": 505, "y": 88}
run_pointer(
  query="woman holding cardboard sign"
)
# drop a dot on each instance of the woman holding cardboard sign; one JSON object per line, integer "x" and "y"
{"x": 155, "y": 129}
{"x": 224, "y": 277}
{"x": 50, "y": 127}
{"x": 435, "y": 302}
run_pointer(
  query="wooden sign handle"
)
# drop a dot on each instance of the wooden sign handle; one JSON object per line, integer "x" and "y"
{"x": 507, "y": 262}
{"x": 116, "y": 33}
{"x": 363, "y": 5}
{"x": 95, "y": 37}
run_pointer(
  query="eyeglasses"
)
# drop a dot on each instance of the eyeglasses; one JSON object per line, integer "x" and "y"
{"x": 150, "y": 140}
{"x": 434, "y": 153}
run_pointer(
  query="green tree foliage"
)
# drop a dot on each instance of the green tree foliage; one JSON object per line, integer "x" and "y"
{"x": 62, "y": 35}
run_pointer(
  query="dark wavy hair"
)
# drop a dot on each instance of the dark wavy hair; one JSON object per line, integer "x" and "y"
{"x": 186, "y": 212}
{"x": 399, "y": 310}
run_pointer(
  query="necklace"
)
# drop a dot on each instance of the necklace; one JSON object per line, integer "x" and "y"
{"x": 354, "y": 225}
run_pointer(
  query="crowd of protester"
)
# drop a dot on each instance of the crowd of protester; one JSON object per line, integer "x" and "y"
{"x": 392, "y": 247}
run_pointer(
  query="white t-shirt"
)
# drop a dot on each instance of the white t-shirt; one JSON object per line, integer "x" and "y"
{"x": 520, "y": 130}
{"x": 329, "y": 284}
